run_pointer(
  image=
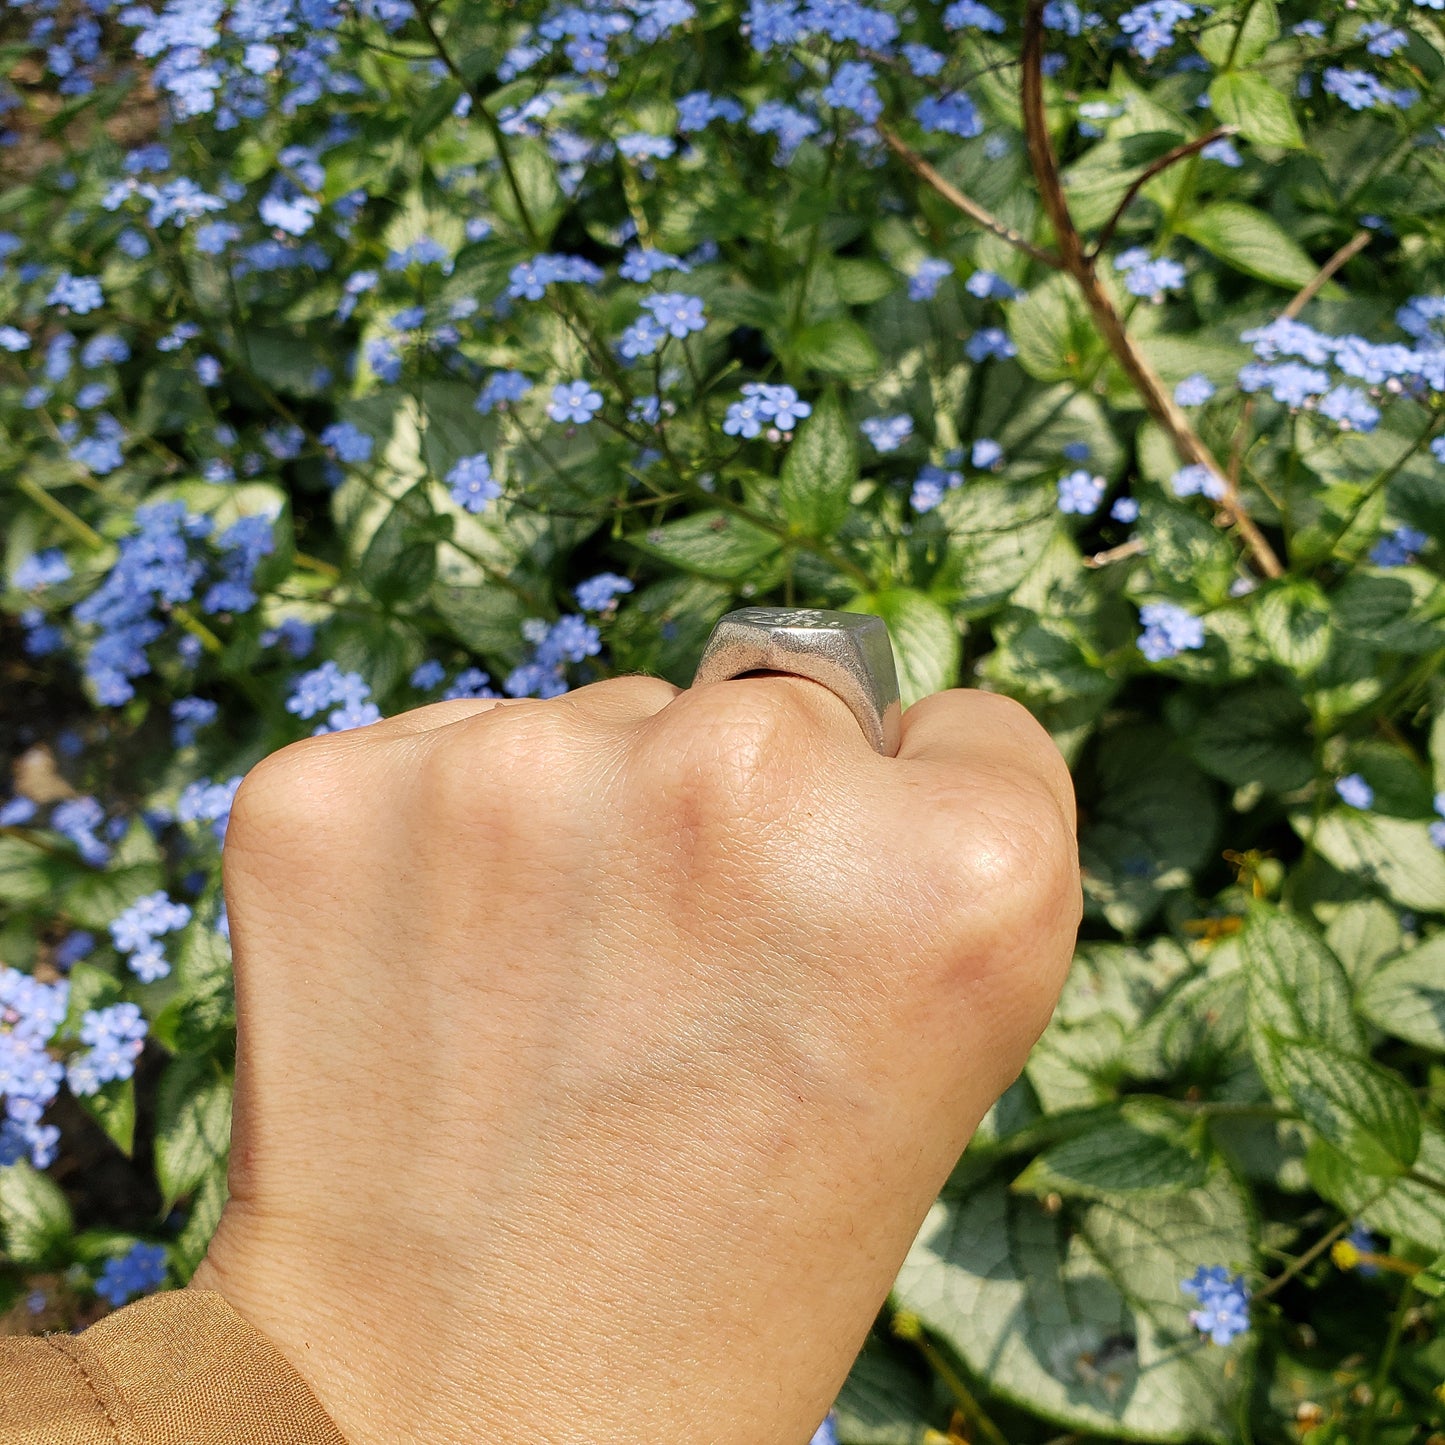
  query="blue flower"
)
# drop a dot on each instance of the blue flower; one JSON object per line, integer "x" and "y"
{"x": 952, "y": 114}
{"x": 1360, "y": 90}
{"x": 1080, "y": 493}
{"x": 188, "y": 716}
{"x": 990, "y": 286}
{"x": 852, "y": 88}
{"x": 80, "y": 294}
{"x": 643, "y": 146}
{"x": 1146, "y": 276}
{"x": 991, "y": 341}
{"x": 677, "y": 313}
{"x": 1198, "y": 480}
{"x": 348, "y": 441}
{"x": 1222, "y": 150}
{"x": 136, "y": 930}
{"x": 826, "y": 1433}
{"x": 137, "y": 1272}
{"x": 643, "y": 265}
{"x": 1400, "y": 548}
{"x": 13, "y": 339}
{"x": 42, "y": 569}
{"x": 1125, "y": 509}
{"x": 1223, "y": 1312}
{"x": 924, "y": 283}
{"x": 1194, "y": 390}
{"x": 1437, "y": 828}
{"x": 1168, "y": 631}
{"x": 986, "y": 454}
{"x": 970, "y": 15}
{"x": 1355, "y": 791}
{"x": 471, "y": 483}
{"x": 1152, "y": 25}
{"x": 887, "y": 433}
{"x": 470, "y": 682}
{"x": 501, "y": 389}
{"x": 427, "y": 675}
{"x": 931, "y": 485}
{"x": 1361, "y": 1240}
{"x": 1350, "y": 408}
{"x": 574, "y": 401}
{"x": 116, "y": 1036}
{"x": 697, "y": 110}
{"x": 596, "y": 593}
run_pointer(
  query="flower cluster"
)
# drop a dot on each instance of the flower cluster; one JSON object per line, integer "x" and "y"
{"x": 136, "y": 932}
{"x": 1223, "y": 1312}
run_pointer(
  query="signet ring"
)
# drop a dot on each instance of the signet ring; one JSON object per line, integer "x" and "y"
{"x": 850, "y": 653}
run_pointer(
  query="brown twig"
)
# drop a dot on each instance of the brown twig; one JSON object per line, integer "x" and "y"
{"x": 1148, "y": 173}
{"x": 1311, "y": 288}
{"x": 1132, "y": 548}
{"x": 1298, "y": 302}
{"x": 1156, "y": 396}
{"x": 966, "y": 204}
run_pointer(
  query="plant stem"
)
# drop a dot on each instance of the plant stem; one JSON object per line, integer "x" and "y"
{"x": 1158, "y": 400}
{"x": 1387, "y": 1359}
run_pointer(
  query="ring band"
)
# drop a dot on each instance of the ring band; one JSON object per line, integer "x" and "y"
{"x": 850, "y": 653}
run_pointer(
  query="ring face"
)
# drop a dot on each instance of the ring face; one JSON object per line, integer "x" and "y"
{"x": 848, "y": 652}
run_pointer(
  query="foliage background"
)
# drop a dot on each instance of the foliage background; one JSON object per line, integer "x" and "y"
{"x": 297, "y": 231}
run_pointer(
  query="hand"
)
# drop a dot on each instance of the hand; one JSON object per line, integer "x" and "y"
{"x": 600, "y": 1057}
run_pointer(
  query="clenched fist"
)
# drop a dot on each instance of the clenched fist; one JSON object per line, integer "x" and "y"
{"x": 599, "y": 1057}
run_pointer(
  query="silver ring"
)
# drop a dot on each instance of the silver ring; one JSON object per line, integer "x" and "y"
{"x": 850, "y": 653}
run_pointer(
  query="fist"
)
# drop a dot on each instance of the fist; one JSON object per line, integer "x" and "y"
{"x": 599, "y": 1057}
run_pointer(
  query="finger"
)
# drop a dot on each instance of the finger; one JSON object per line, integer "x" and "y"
{"x": 819, "y": 713}
{"x": 984, "y": 731}
{"x": 621, "y": 702}
{"x": 436, "y": 715}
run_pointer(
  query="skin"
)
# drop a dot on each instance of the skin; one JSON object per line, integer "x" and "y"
{"x": 600, "y": 1057}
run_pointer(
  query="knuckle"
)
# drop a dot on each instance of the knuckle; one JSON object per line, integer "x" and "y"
{"x": 288, "y": 800}
{"x": 508, "y": 761}
{"x": 731, "y": 750}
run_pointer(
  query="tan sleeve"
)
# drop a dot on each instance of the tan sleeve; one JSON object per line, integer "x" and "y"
{"x": 181, "y": 1368}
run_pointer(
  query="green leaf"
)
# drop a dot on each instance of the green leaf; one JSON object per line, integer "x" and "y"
{"x": 193, "y": 1124}
{"x": 190, "y": 1245}
{"x": 1297, "y": 990}
{"x": 113, "y": 1108}
{"x": 1262, "y": 113}
{"x": 997, "y": 531}
{"x": 1256, "y": 735}
{"x": 1394, "y": 854}
{"x": 885, "y": 1400}
{"x": 1150, "y": 823}
{"x": 201, "y": 1013}
{"x": 1406, "y": 997}
{"x": 1293, "y": 621}
{"x": 1222, "y": 43}
{"x": 1054, "y": 331}
{"x": 1402, "y": 1208}
{"x": 711, "y": 543}
{"x": 1399, "y": 610}
{"x": 27, "y": 875}
{"x": 837, "y": 347}
{"x": 1366, "y": 1112}
{"x": 35, "y": 1222}
{"x": 1142, "y": 1151}
{"x": 1077, "y": 1315}
{"x": 819, "y": 470}
{"x": 400, "y": 560}
{"x": 534, "y": 173}
{"x": 926, "y": 642}
{"x": 483, "y": 619}
{"x": 1431, "y": 1280}
{"x": 1362, "y": 934}
{"x": 1251, "y": 242}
